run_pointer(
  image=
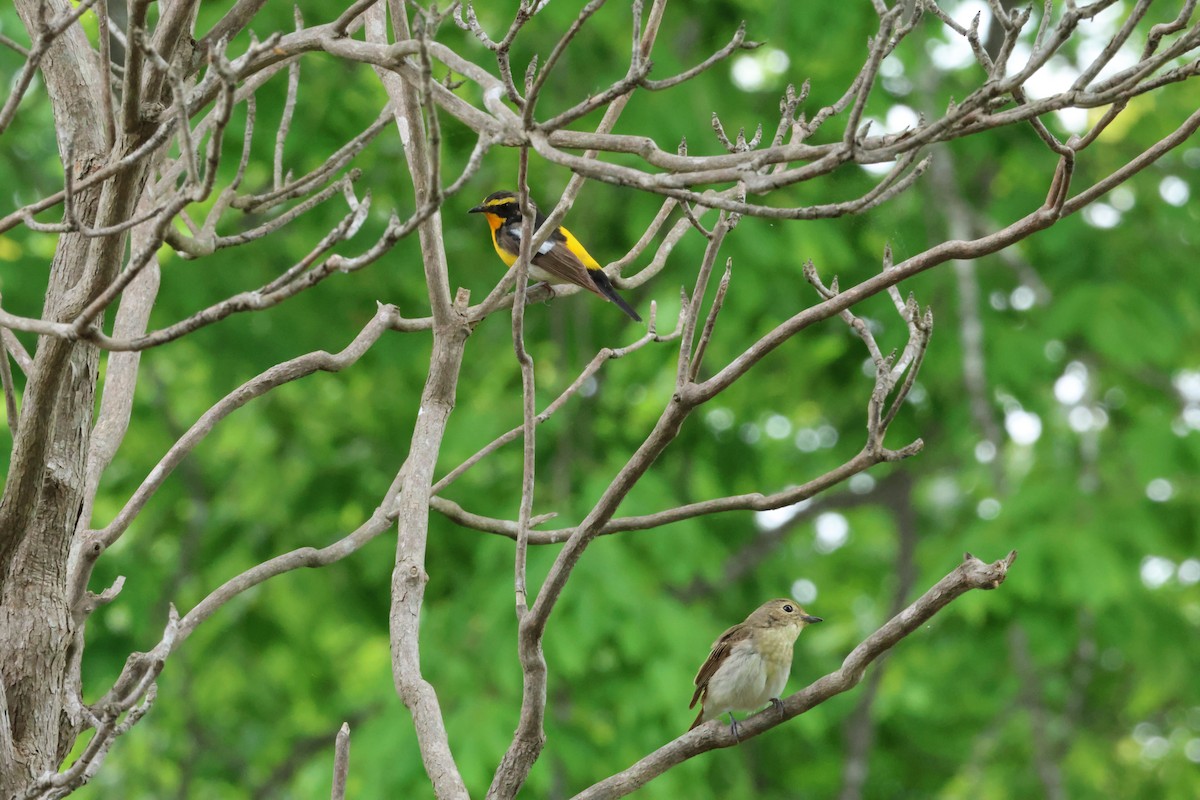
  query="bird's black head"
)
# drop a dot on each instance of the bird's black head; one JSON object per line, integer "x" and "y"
{"x": 500, "y": 204}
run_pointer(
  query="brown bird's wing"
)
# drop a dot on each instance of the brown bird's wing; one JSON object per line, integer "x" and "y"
{"x": 553, "y": 256}
{"x": 564, "y": 265}
{"x": 720, "y": 651}
{"x": 556, "y": 258}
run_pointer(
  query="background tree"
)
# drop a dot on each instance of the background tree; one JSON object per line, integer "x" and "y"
{"x": 1057, "y": 404}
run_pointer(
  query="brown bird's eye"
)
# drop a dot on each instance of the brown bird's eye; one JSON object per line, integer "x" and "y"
{"x": 788, "y": 609}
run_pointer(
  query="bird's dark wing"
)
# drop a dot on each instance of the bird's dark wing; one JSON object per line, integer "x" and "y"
{"x": 556, "y": 258}
{"x": 560, "y": 262}
{"x": 720, "y": 651}
{"x": 552, "y": 257}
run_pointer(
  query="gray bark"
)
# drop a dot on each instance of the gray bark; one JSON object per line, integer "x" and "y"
{"x": 43, "y": 495}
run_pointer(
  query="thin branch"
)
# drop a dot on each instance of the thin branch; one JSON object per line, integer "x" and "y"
{"x": 530, "y": 735}
{"x": 531, "y": 96}
{"x": 10, "y": 394}
{"x": 341, "y": 762}
{"x": 120, "y": 377}
{"x": 380, "y": 520}
{"x": 131, "y": 89}
{"x": 16, "y": 349}
{"x": 880, "y": 47}
{"x": 17, "y": 48}
{"x": 104, "y": 57}
{"x": 738, "y": 42}
{"x": 234, "y": 21}
{"x": 1135, "y": 165}
{"x": 289, "y": 108}
{"x": 328, "y": 167}
{"x": 131, "y": 695}
{"x": 711, "y": 321}
{"x": 939, "y": 254}
{"x": 688, "y": 348}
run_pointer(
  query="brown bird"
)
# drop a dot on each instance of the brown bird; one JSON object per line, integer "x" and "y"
{"x": 750, "y": 663}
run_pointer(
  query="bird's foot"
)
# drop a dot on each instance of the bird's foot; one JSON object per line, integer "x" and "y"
{"x": 777, "y": 704}
{"x": 733, "y": 727}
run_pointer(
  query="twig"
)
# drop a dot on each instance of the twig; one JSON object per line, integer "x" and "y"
{"x": 133, "y": 692}
{"x": 289, "y": 107}
{"x": 18, "y": 49}
{"x": 131, "y": 88}
{"x": 530, "y": 735}
{"x": 688, "y": 349}
{"x": 10, "y": 395}
{"x": 738, "y": 42}
{"x": 534, "y": 91}
{"x": 234, "y": 21}
{"x": 711, "y": 321}
{"x": 341, "y": 762}
{"x": 104, "y": 57}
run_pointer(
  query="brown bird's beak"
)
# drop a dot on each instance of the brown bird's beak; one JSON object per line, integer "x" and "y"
{"x": 477, "y": 210}
{"x": 811, "y": 620}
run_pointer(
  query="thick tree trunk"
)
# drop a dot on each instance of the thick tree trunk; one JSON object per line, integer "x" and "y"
{"x": 43, "y": 493}
{"x": 36, "y": 628}
{"x": 38, "y": 516}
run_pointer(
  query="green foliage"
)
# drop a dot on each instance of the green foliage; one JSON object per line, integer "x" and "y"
{"x": 251, "y": 703}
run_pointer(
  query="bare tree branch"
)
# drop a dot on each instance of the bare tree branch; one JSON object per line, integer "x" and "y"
{"x": 449, "y": 339}
{"x": 341, "y": 763}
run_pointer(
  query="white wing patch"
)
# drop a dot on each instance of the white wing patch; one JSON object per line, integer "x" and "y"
{"x": 547, "y": 246}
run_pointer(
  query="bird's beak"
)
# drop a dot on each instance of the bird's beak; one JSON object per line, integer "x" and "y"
{"x": 811, "y": 620}
{"x": 477, "y": 210}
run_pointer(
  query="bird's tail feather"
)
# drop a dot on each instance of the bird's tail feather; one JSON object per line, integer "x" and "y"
{"x": 605, "y": 287}
{"x": 621, "y": 304}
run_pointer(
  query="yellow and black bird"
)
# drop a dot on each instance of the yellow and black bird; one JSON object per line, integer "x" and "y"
{"x": 561, "y": 259}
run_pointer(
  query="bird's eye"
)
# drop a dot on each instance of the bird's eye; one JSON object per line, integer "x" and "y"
{"x": 788, "y": 608}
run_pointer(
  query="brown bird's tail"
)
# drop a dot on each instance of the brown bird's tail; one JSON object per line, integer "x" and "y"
{"x": 699, "y": 719}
